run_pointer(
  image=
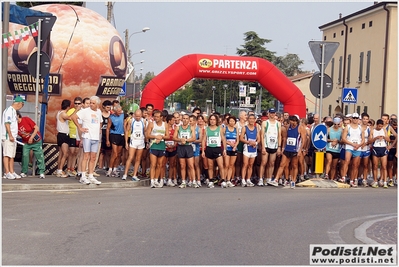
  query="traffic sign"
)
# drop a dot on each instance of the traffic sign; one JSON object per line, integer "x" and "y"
{"x": 315, "y": 85}
{"x": 349, "y": 95}
{"x": 329, "y": 50}
{"x": 247, "y": 105}
{"x": 319, "y": 136}
{"x": 47, "y": 25}
{"x": 44, "y": 65}
{"x": 123, "y": 90}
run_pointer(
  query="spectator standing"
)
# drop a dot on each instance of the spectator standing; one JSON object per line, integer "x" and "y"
{"x": 9, "y": 137}
{"x": 32, "y": 139}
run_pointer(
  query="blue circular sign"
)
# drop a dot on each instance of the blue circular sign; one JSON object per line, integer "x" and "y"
{"x": 319, "y": 136}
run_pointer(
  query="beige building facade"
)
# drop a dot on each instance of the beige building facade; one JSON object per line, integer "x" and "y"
{"x": 366, "y": 59}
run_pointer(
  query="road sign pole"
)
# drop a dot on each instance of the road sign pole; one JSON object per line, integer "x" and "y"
{"x": 321, "y": 80}
{"x": 39, "y": 32}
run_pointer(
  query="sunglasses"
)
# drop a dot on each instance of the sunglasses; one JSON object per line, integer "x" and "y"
{"x": 336, "y": 123}
{"x": 78, "y": 103}
{"x": 355, "y": 118}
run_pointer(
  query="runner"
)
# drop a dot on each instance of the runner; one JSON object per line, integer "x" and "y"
{"x": 184, "y": 135}
{"x": 115, "y": 139}
{"x": 333, "y": 148}
{"x": 105, "y": 153}
{"x": 238, "y": 166}
{"x": 250, "y": 137}
{"x": 353, "y": 138}
{"x": 380, "y": 138}
{"x": 212, "y": 141}
{"x": 365, "y": 150}
{"x": 74, "y": 139}
{"x": 156, "y": 133}
{"x": 171, "y": 152}
{"x": 63, "y": 136}
{"x": 232, "y": 140}
{"x": 136, "y": 144}
{"x": 291, "y": 148}
{"x": 196, "y": 148}
{"x": 271, "y": 146}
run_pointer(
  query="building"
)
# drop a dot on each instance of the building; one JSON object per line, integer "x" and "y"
{"x": 366, "y": 59}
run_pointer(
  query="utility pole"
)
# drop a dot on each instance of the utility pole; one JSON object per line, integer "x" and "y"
{"x": 110, "y": 6}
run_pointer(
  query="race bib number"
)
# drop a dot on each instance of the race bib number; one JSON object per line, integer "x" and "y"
{"x": 355, "y": 140}
{"x": 336, "y": 147}
{"x": 291, "y": 141}
{"x": 213, "y": 140}
{"x": 137, "y": 134}
{"x": 272, "y": 140}
{"x": 169, "y": 143}
{"x": 184, "y": 135}
{"x": 231, "y": 142}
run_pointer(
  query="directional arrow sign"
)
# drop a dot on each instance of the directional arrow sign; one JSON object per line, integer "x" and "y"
{"x": 329, "y": 50}
{"x": 319, "y": 136}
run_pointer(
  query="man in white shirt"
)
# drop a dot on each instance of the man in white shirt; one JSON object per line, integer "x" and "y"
{"x": 90, "y": 129}
{"x": 9, "y": 137}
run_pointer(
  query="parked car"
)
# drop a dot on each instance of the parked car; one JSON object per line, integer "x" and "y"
{"x": 235, "y": 111}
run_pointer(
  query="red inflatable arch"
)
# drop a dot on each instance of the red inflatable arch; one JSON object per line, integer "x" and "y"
{"x": 224, "y": 68}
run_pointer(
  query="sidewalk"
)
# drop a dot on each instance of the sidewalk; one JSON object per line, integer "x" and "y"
{"x": 52, "y": 182}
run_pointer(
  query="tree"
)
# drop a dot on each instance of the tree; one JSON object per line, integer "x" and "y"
{"x": 147, "y": 78}
{"x": 289, "y": 64}
{"x": 254, "y": 47}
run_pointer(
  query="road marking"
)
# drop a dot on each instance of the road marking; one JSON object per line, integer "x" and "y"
{"x": 333, "y": 232}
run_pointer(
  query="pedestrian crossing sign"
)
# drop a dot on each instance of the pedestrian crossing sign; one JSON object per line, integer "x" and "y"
{"x": 349, "y": 95}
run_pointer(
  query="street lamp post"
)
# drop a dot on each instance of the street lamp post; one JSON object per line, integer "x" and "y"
{"x": 213, "y": 97}
{"x": 225, "y": 89}
{"x": 134, "y": 82}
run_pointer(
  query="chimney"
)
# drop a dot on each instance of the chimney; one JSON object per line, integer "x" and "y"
{"x": 375, "y": 2}
{"x": 340, "y": 15}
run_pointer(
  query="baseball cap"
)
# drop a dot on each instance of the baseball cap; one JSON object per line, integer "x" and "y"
{"x": 349, "y": 115}
{"x": 19, "y": 99}
{"x": 272, "y": 110}
{"x": 355, "y": 115}
{"x": 337, "y": 120}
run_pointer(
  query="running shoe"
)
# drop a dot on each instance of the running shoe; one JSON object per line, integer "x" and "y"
{"x": 249, "y": 183}
{"x": 199, "y": 183}
{"x": 195, "y": 185}
{"x": 135, "y": 179}
{"x": 23, "y": 175}
{"x": 273, "y": 183}
{"x": 10, "y": 176}
{"x": 260, "y": 183}
{"x": 42, "y": 176}
{"x": 183, "y": 185}
{"x": 385, "y": 185}
{"x": 243, "y": 183}
{"x": 374, "y": 185}
{"x": 230, "y": 184}
{"x": 389, "y": 184}
{"x": 124, "y": 177}
{"x": 61, "y": 174}
{"x": 211, "y": 185}
{"x": 84, "y": 180}
{"x": 190, "y": 184}
{"x": 108, "y": 173}
{"x": 94, "y": 181}
{"x": 293, "y": 185}
{"x": 170, "y": 183}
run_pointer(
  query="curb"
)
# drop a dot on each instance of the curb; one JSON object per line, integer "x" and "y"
{"x": 77, "y": 185}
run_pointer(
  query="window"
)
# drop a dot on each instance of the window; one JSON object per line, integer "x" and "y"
{"x": 340, "y": 70}
{"x": 370, "y": 23}
{"x": 346, "y": 109}
{"x": 350, "y": 29}
{"x": 363, "y": 25}
{"x": 365, "y": 109}
{"x": 332, "y": 69}
{"x": 325, "y": 38}
{"x": 358, "y": 110}
{"x": 334, "y": 35}
{"x": 329, "y": 110}
{"x": 368, "y": 66}
{"x": 342, "y": 32}
{"x": 361, "y": 67}
{"x": 348, "y": 73}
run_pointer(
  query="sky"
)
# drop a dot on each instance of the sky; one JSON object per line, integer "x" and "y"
{"x": 181, "y": 28}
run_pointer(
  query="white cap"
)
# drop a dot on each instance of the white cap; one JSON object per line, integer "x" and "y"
{"x": 349, "y": 115}
{"x": 355, "y": 115}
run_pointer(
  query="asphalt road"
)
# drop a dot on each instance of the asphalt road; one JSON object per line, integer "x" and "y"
{"x": 171, "y": 226}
